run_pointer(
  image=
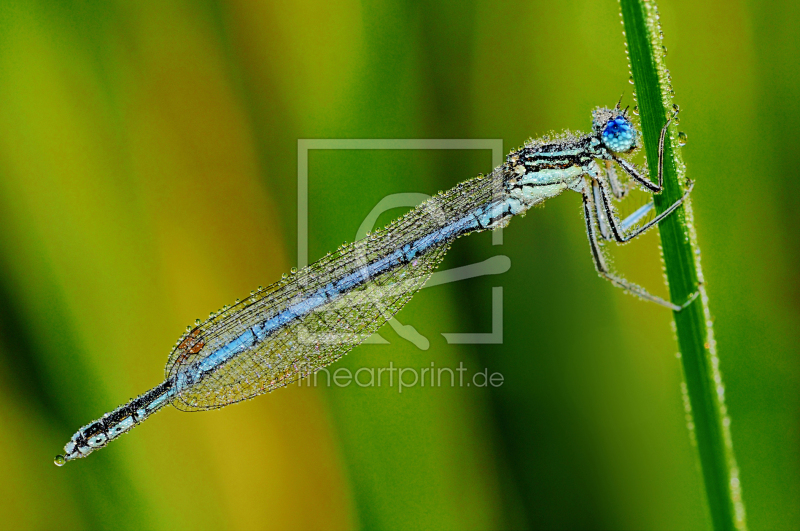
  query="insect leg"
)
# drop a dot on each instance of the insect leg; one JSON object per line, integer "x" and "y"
{"x": 617, "y": 188}
{"x": 596, "y": 172}
{"x": 600, "y": 215}
{"x": 590, "y": 213}
{"x": 619, "y": 228}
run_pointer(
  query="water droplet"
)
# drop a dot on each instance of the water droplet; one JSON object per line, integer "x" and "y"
{"x": 630, "y": 80}
{"x": 189, "y": 328}
{"x": 237, "y": 301}
{"x": 664, "y": 50}
{"x": 283, "y": 276}
{"x": 293, "y": 270}
{"x": 60, "y": 460}
{"x": 197, "y": 322}
{"x": 682, "y": 138}
{"x": 636, "y": 110}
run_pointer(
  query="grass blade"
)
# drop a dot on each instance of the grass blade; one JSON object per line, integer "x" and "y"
{"x": 703, "y": 388}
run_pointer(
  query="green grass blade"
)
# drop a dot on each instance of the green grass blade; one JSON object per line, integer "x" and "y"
{"x": 703, "y": 390}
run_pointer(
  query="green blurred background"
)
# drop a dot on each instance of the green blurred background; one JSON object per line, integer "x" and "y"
{"x": 148, "y": 175}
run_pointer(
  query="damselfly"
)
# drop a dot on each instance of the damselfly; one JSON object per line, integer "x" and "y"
{"x": 309, "y": 320}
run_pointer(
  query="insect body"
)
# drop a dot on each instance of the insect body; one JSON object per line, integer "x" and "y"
{"x": 297, "y": 326}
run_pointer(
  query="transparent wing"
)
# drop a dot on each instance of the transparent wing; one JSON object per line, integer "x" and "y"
{"x": 322, "y": 336}
{"x": 270, "y": 301}
{"x": 314, "y": 341}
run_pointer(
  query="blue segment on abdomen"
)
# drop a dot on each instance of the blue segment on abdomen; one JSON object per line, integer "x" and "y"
{"x": 259, "y": 332}
{"x": 159, "y": 402}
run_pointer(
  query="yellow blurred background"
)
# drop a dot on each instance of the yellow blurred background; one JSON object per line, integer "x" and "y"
{"x": 148, "y": 175}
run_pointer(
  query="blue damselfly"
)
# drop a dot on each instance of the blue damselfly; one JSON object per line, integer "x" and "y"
{"x": 310, "y": 319}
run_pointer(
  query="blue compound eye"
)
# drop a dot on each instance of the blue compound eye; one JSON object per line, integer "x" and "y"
{"x": 619, "y": 135}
